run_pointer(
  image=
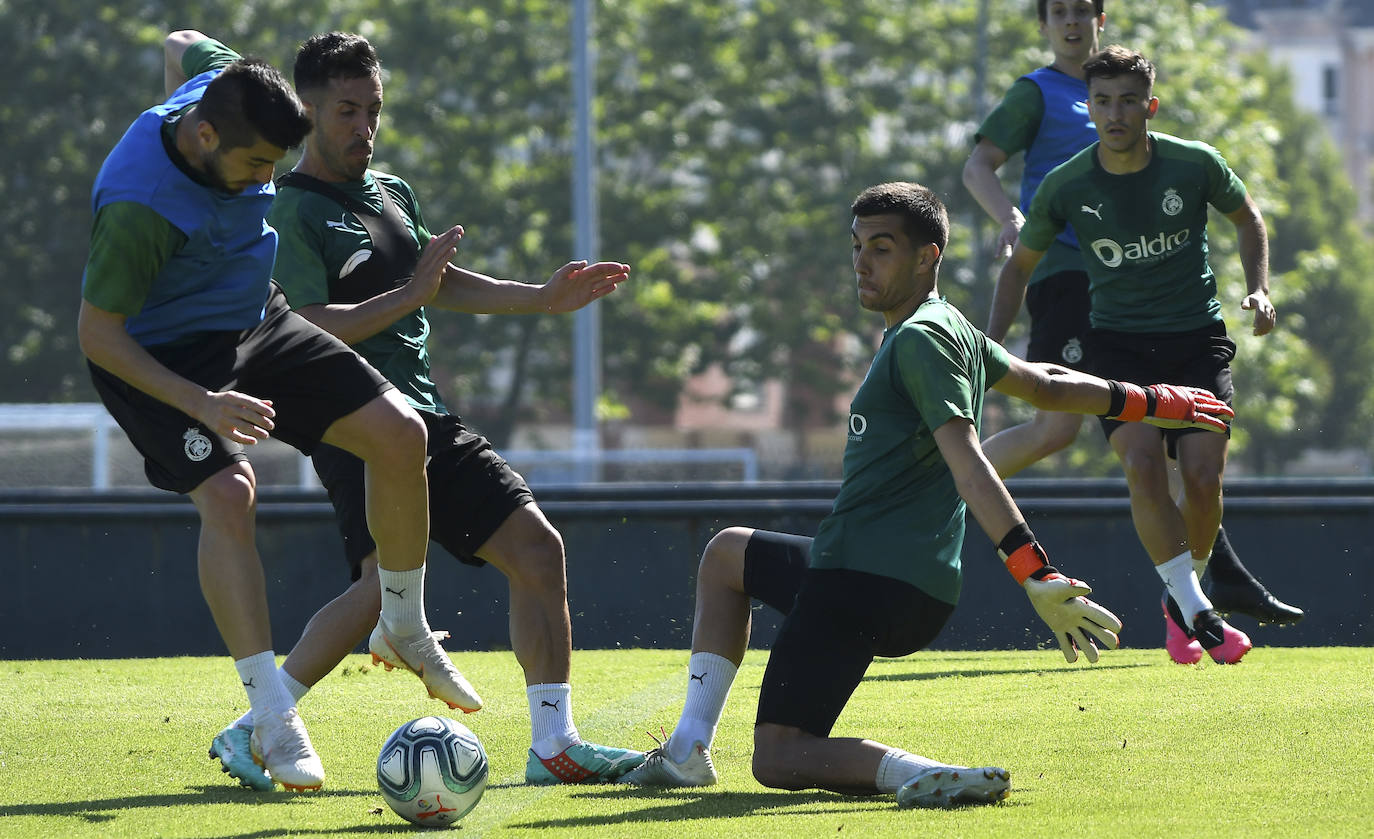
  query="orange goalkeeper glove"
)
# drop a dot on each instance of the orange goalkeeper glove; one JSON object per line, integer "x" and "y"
{"x": 1168, "y": 406}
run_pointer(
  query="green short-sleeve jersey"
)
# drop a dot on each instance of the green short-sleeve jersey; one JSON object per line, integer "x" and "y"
{"x": 898, "y": 513}
{"x": 319, "y": 241}
{"x": 130, "y": 242}
{"x": 1012, "y": 127}
{"x": 1144, "y": 234}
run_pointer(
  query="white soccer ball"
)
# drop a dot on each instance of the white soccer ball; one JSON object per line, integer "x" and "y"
{"x": 432, "y": 771}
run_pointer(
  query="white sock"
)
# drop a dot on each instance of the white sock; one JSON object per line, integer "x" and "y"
{"x": 551, "y": 722}
{"x": 897, "y": 767}
{"x": 258, "y": 673}
{"x": 403, "y": 601}
{"x": 709, "y": 678}
{"x": 293, "y": 687}
{"x": 1183, "y": 586}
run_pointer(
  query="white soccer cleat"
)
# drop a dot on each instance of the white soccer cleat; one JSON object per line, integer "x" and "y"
{"x": 422, "y": 655}
{"x": 659, "y": 769}
{"x": 281, "y": 745}
{"x": 951, "y": 786}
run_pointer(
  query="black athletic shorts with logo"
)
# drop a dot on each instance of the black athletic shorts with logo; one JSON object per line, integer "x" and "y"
{"x": 472, "y": 490}
{"x": 311, "y": 378}
{"x": 1200, "y": 358}
{"x": 1059, "y": 306}
{"x": 837, "y": 621}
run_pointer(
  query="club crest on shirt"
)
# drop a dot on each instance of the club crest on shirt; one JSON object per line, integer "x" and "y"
{"x": 1173, "y": 202}
{"x": 1072, "y": 352}
{"x": 197, "y": 446}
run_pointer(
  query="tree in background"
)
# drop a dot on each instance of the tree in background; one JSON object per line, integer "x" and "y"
{"x": 731, "y": 137}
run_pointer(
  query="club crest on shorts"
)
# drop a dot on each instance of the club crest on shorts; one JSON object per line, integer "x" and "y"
{"x": 197, "y": 446}
{"x": 1072, "y": 352}
{"x": 1173, "y": 202}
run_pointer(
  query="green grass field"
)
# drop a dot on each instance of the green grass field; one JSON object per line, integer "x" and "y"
{"x": 1282, "y": 746}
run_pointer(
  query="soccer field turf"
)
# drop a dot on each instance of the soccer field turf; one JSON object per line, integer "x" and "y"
{"x": 1135, "y": 746}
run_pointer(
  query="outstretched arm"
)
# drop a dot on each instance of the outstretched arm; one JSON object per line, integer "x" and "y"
{"x": 1058, "y": 600}
{"x": 1053, "y": 388}
{"x": 571, "y": 287}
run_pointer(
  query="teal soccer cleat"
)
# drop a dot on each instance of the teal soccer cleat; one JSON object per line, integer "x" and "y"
{"x": 231, "y": 748}
{"x": 581, "y": 763}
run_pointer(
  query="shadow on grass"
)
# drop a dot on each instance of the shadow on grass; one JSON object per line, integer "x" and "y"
{"x": 686, "y": 805}
{"x": 941, "y": 674}
{"x": 101, "y": 810}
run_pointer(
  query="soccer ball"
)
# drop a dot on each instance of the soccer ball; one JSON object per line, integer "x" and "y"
{"x": 432, "y": 771}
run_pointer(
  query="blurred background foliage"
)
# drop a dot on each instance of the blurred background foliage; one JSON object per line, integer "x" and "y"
{"x": 731, "y": 138}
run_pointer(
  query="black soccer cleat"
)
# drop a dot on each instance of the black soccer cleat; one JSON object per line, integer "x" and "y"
{"x": 1248, "y": 596}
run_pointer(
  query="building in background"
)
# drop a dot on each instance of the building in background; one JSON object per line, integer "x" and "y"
{"x": 1328, "y": 46}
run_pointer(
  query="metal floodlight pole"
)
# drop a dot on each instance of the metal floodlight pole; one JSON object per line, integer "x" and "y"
{"x": 587, "y": 325}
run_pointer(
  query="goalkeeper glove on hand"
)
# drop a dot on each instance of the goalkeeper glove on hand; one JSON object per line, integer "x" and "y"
{"x": 1168, "y": 406}
{"x": 1060, "y": 603}
{"x": 1057, "y": 599}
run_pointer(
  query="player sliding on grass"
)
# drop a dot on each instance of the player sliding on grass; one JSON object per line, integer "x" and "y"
{"x": 883, "y": 572}
{"x": 353, "y": 259}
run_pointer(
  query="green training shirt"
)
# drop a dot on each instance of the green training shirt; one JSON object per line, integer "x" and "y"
{"x": 898, "y": 513}
{"x": 1012, "y": 127}
{"x": 1143, "y": 235}
{"x": 320, "y": 241}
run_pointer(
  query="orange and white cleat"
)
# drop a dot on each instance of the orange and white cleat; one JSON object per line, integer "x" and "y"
{"x": 422, "y": 655}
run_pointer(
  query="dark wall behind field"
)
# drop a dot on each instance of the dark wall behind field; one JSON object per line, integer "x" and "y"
{"x": 114, "y": 575}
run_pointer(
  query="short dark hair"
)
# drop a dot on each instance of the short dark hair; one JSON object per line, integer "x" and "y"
{"x": 249, "y": 101}
{"x": 334, "y": 55}
{"x": 1115, "y": 61}
{"x": 925, "y": 219}
{"x": 1042, "y": 8}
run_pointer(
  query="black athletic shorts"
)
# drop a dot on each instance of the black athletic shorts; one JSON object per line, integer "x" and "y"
{"x": 837, "y": 621}
{"x": 472, "y": 490}
{"x": 311, "y": 378}
{"x": 1200, "y": 358}
{"x": 1059, "y": 306}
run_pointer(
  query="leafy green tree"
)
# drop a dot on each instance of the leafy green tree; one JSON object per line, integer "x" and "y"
{"x": 731, "y": 137}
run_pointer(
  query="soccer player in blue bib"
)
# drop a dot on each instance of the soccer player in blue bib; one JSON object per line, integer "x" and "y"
{"x": 884, "y": 571}
{"x": 196, "y": 355}
{"x": 1138, "y": 202}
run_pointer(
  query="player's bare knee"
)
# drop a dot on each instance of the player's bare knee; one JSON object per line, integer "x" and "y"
{"x": 395, "y": 436}
{"x": 773, "y": 761}
{"x": 1200, "y": 482}
{"x": 723, "y": 559}
{"x": 229, "y": 495}
{"x": 1057, "y": 437}
{"x": 1142, "y": 465}
{"x": 538, "y": 563}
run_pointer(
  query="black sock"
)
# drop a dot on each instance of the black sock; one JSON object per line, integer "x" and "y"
{"x": 1225, "y": 565}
